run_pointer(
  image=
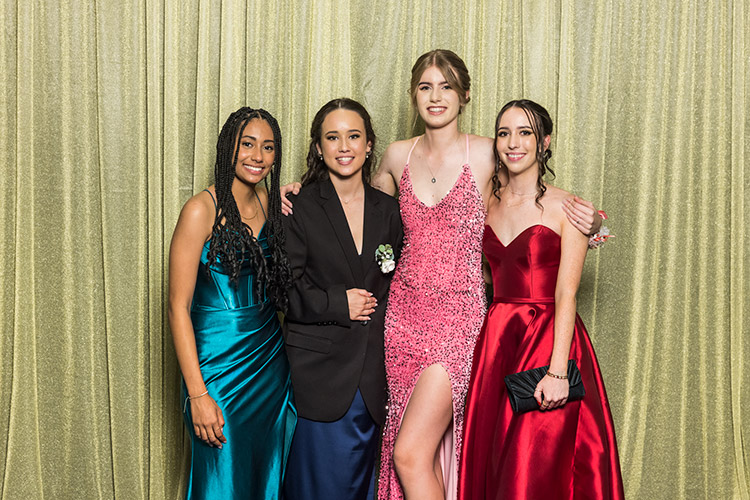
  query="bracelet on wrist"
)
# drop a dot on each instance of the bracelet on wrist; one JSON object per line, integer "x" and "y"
{"x": 189, "y": 397}
{"x": 555, "y": 375}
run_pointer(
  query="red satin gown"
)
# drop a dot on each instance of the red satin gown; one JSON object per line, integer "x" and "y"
{"x": 566, "y": 453}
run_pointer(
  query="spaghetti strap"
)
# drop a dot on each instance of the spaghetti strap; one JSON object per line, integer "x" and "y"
{"x": 467, "y": 149}
{"x": 212, "y": 197}
{"x": 261, "y": 204}
{"x": 408, "y": 158}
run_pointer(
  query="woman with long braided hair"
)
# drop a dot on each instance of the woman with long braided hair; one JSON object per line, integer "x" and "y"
{"x": 228, "y": 275}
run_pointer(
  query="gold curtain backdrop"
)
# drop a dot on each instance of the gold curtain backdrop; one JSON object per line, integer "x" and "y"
{"x": 110, "y": 113}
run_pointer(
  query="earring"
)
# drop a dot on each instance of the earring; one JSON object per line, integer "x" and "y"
{"x": 320, "y": 157}
{"x": 367, "y": 155}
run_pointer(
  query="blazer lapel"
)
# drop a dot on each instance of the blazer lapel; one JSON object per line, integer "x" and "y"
{"x": 337, "y": 218}
{"x": 372, "y": 236}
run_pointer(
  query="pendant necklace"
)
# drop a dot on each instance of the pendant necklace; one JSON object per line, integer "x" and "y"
{"x": 354, "y": 197}
{"x": 433, "y": 180}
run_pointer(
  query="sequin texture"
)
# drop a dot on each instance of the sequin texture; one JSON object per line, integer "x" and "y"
{"x": 435, "y": 308}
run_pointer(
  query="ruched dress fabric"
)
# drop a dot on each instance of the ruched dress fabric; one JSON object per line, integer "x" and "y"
{"x": 435, "y": 311}
{"x": 566, "y": 453}
{"x": 245, "y": 369}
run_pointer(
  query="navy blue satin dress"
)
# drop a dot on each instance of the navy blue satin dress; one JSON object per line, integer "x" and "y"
{"x": 245, "y": 369}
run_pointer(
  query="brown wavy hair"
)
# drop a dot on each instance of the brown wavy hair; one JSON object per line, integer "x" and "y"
{"x": 541, "y": 125}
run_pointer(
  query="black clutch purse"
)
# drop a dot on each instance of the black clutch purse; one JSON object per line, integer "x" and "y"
{"x": 521, "y": 387}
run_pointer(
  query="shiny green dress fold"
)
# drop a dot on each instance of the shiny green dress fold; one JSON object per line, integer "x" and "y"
{"x": 245, "y": 369}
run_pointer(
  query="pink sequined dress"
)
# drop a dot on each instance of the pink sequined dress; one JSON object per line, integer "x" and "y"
{"x": 435, "y": 310}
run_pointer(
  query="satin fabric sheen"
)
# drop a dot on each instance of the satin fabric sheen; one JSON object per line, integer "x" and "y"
{"x": 567, "y": 453}
{"x": 334, "y": 460}
{"x": 244, "y": 366}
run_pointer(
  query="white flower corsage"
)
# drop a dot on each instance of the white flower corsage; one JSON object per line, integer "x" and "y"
{"x": 598, "y": 239}
{"x": 384, "y": 258}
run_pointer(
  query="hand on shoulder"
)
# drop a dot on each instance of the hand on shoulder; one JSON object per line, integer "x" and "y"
{"x": 554, "y": 201}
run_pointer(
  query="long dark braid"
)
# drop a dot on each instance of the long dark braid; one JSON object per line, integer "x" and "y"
{"x": 232, "y": 241}
{"x": 541, "y": 124}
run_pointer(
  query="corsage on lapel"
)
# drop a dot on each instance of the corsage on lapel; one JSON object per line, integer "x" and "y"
{"x": 384, "y": 258}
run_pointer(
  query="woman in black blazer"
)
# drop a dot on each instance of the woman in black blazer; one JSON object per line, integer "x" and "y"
{"x": 343, "y": 240}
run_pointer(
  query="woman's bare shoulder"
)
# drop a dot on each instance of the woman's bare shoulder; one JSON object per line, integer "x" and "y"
{"x": 481, "y": 141}
{"x": 553, "y": 200}
{"x": 199, "y": 211}
{"x": 397, "y": 149}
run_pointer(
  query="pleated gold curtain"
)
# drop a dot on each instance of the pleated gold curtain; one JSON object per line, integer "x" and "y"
{"x": 110, "y": 112}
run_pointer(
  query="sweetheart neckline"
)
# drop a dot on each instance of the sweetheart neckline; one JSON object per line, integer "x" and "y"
{"x": 487, "y": 226}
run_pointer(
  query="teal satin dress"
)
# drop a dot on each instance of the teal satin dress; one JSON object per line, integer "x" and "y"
{"x": 245, "y": 368}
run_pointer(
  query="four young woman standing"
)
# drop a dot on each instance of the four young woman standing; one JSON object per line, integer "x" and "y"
{"x": 334, "y": 333}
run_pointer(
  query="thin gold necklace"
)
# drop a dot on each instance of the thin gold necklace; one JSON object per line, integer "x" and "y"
{"x": 256, "y": 210}
{"x": 520, "y": 194}
{"x": 354, "y": 197}
{"x": 427, "y": 164}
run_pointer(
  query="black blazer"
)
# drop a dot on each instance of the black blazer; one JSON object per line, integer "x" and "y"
{"x": 330, "y": 355}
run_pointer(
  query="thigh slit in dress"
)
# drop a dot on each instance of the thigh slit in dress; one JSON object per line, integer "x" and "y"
{"x": 435, "y": 310}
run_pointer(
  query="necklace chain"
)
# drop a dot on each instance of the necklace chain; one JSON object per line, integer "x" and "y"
{"x": 256, "y": 210}
{"x": 520, "y": 194}
{"x": 354, "y": 197}
{"x": 427, "y": 164}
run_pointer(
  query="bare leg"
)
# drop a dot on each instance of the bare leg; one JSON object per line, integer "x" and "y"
{"x": 426, "y": 418}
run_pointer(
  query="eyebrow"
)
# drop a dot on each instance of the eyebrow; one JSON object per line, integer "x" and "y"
{"x": 255, "y": 138}
{"x": 336, "y": 131}
{"x": 430, "y": 83}
{"x": 521, "y": 127}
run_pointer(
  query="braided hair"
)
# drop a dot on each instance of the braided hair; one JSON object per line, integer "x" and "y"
{"x": 541, "y": 125}
{"x": 316, "y": 167}
{"x": 232, "y": 241}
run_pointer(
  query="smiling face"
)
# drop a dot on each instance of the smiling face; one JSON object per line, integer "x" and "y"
{"x": 343, "y": 143}
{"x": 516, "y": 143}
{"x": 438, "y": 103}
{"x": 256, "y": 151}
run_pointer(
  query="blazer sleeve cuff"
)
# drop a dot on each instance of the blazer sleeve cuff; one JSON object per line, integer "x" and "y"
{"x": 339, "y": 305}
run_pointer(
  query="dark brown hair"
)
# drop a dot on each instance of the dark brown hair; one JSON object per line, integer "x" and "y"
{"x": 316, "y": 167}
{"x": 541, "y": 125}
{"x": 232, "y": 241}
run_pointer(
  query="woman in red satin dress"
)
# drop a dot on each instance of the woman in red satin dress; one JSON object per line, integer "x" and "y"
{"x": 566, "y": 450}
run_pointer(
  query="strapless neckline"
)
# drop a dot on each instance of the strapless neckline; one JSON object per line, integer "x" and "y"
{"x": 487, "y": 226}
